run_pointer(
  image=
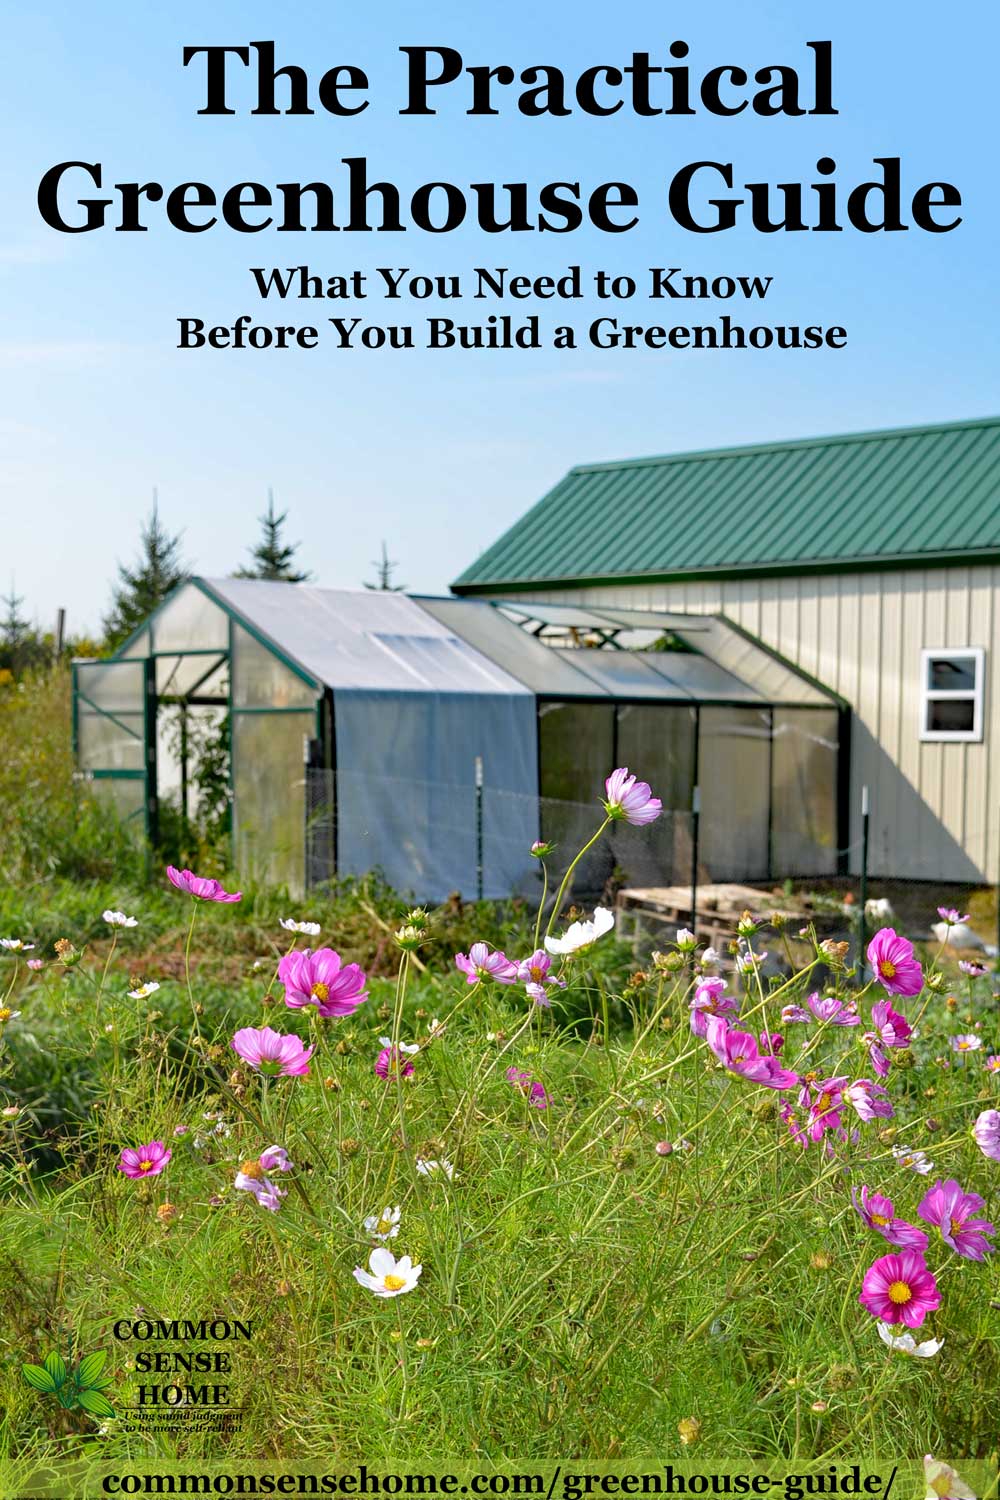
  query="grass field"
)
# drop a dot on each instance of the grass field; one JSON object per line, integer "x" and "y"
{"x": 651, "y": 1262}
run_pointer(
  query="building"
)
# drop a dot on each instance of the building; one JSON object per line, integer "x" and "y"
{"x": 869, "y": 561}
{"x": 436, "y": 739}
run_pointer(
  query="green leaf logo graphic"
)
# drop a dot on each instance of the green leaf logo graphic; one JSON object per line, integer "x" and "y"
{"x": 89, "y": 1370}
{"x": 38, "y": 1378}
{"x": 56, "y": 1366}
{"x": 96, "y": 1403}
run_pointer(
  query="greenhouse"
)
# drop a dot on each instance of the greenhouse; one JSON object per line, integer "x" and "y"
{"x": 434, "y": 739}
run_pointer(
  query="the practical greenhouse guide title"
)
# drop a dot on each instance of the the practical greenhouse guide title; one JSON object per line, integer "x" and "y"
{"x": 702, "y": 197}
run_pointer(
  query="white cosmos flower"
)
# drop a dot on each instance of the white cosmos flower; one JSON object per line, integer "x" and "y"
{"x": 384, "y": 1226}
{"x": 8, "y": 1015}
{"x": 711, "y": 956}
{"x": 16, "y": 945}
{"x": 119, "y": 919}
{"x": 388, "y": 1277}
{"x": 917, "y": 1161}
{"x": 943, "y": 1483}
{"x": 907, "y": 1344}
{"x": 436, "y": 1028}
{"x": 685, "y": 938}
{"x": 311, "y": 929}
{"x": 408, "y": 1047}
{"x": 440, "y": 1168}
{"x": 582, "y": 934}
{"x": 144, "y": 990}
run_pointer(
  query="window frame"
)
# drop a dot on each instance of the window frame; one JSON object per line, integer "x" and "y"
{"x": 929, "y": 695}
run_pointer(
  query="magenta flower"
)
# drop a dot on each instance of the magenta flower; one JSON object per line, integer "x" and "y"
{"x": 794, "y": 1015}
{"x": 630, "y": 799}
{"x": 738, "y": 1052}
{"x": 869, "y": 1100}
{"x": 950, "y": 916}
{"x": 878, "y": 1213}
{"x": 484, "y": 962}
{"x": 796, "y": 1129}
{"x": 986, "y": 1133}
{"x": 900, "y": 1289}
{"x": 201, "y": 888}
{"x": 535, "y": 974}
{"x": 253, "y": 1177}
{"x": 891, "y": 1030}
{"x": 992, "y": 1063}
{"x": 893, "y": 963}
{"x": 836, "y": 1012}
{"x": 270, "y": 1052}
{"x": 144, "y": 1161}
{"x": 823, "y": 1102}
{"x": 388, "y": 1059}
{"x": 771, "y": 1043}
{"x": 709, "y": 999}
{"x": 953, "y": 1213}
{"x": 535, "y": 1092}
{"x": 319, "y": 979}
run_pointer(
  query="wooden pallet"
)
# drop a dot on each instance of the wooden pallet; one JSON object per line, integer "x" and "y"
{"x": 657, "y": 911}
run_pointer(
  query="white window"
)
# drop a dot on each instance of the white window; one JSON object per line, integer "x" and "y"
{"x": 951, "y": 694}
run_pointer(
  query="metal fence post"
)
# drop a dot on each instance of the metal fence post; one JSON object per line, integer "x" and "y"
{"x": 863, "y": 916}
{"x": 695, "y": 818}
{"x": 479, "y": 828}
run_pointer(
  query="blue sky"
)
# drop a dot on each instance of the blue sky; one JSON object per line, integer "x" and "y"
{"x": 438, "y": 452}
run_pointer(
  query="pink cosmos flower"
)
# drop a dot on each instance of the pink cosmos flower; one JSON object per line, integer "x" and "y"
{"x": 36, "y": 963}
{"x": 709, "y": 999}
{"x": 972, "y": 969}
{"x": 891, "y": 1030}
{"x": 201, "y": 888}
{"x": 953, "y": 1213}
{"x": 836, "y": 1012}
{"x": 144, "y": 1161}
{"x": 270, "y": 1052}
{"x": 320, "y": 979}
{"x": 536, "y": 1095}
{"x": 824, "y": 1102}
{"x": 950, "y": 915}
{"x": 630, "y": 799}
{"x": 941, "y": 1482}
{"x": 739, "y": 1053}
{"x": 253, "y": 1177}
{"x": 986, "y": 1133}
{"x": 893, "y": 963}
{"x": 900, "y": 1289}
{"x": 993, "y": 1063}
{"x": 484, "y": 962}
{"x": 967, "y": 1042}
{"x": 869, "y": 1100}
{"x": 387, "y": 1060}
{"x": 534, "y": 973}
{"x": 878, "y": 1213}
{"x": 794, "y": 1015}
{"x": 796, "y": 1128}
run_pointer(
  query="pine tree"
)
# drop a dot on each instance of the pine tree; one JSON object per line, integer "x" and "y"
{"x": 157, "y": 571}
{"x": 20, "y": 646}
{"x": 384, "y": 567}
{"x": 271, "y": 557}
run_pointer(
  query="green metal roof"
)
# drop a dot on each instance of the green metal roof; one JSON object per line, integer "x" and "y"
{"x": 912, "y": 496}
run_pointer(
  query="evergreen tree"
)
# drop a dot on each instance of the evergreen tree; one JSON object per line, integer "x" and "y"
{"x": 20, "y": 646}
{"x": 157, "y": 571}
{"x": 271, "y": 557}
{"x": 384, "y": 567}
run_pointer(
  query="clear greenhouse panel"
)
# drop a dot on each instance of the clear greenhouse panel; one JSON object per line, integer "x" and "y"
{"x": 262, "y": 680}
{"x": 734, "y": 751}
{"x": 804, "y": 792}
{"x": 189, "y": 621}
{"x": 269, "y": 808}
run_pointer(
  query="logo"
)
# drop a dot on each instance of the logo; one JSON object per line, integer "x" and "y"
{"x": 80, "y": 1385}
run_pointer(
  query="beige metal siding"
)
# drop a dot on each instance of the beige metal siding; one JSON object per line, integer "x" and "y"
{"x": 933, "y": 813}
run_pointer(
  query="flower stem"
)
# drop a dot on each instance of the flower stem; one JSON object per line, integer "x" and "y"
{"x": 569, "y": 873}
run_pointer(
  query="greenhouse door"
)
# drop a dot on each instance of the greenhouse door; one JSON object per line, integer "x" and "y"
{"x": 113, "y": 703}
